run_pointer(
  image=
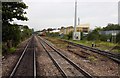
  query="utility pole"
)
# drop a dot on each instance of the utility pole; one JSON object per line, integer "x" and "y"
{"x": 78, "y": 21}
{"x": 76, "y": 35}
{"x": 75, "y": 18}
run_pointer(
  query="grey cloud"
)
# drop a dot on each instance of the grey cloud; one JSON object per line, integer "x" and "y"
{"x": 55, "y": 14}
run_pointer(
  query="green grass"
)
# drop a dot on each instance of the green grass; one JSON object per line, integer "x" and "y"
{"x": 99, "y": 44}
{"x": 87, "y": 43}
{"x": 12, "y": 50}
{"x": 92, "y": 58}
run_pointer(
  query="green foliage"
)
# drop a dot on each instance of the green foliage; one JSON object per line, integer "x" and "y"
{"x": 112, "y": 27}
{"x": 26, "y": 32}
{"x": 69, "y": 36}
{"x": 104, "y": 37}
{"x": 64, "y": 37}
{"x": 12, "y": 50}
{"x": 11, "y": 10}
{"x": 15, "y": 35}
{"x": 92, "y": 58}
{"x": 118, "y": 38}
{"x": 82, "y": 37}
{"x": 94, "y": 35}
{"x": 56, "y": 34}
{"x": 11, "y": 33}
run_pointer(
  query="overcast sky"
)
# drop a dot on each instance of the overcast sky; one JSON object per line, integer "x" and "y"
{"x": 56, "y": 13}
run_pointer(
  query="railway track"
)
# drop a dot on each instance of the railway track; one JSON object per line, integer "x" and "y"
{"x": 26, "y": 65}
{"x": 65, "y": 66}
{"x": 114, "y": 57}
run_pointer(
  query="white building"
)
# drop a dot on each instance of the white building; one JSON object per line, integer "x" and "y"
{"x": 55, "y": 31}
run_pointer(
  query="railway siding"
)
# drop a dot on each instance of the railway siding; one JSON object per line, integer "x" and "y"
{"x": 115, "y": 57}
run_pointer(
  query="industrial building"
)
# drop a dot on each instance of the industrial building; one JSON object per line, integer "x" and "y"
{"x": 79, "y": 28}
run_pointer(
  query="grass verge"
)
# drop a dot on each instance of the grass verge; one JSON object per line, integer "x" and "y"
{"x": 106, "y": 46}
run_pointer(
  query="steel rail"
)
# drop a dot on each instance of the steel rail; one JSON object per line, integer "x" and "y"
{"x": 86, "y": 74}
{"x": 112, "y": 56}
{"x": 19, "y": 60}
{"x": 35, "y": 71}
{"x": 54, "y": 61}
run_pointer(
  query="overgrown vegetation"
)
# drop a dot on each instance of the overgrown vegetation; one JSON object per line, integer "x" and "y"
{"x": 13, "y": 34}
{"x": 95, "y": 34}
{"x": 118, "y": 38}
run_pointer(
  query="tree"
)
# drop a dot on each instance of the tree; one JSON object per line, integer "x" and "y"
{"x": 118, "y": 38}
{"x": 94, "y": 35}
{"x": 112, "y": 27}
{"x": 70, "y": 35}
{"x": 11, "y": 32}
{"x": 13, "y": 10}
{"x": 26, "y": 32}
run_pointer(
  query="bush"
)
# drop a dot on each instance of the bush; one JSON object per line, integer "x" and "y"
{"x": 56, "y": 34}
{"x": 118, "y": 38}
{"x": 69, "y": 36}
{"x": 105, "y": 37}
{"x": 12, "y": 50}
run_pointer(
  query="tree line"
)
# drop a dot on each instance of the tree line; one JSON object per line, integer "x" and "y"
{"x": 95, "y": 34}
{"x": 13, "y": 34}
